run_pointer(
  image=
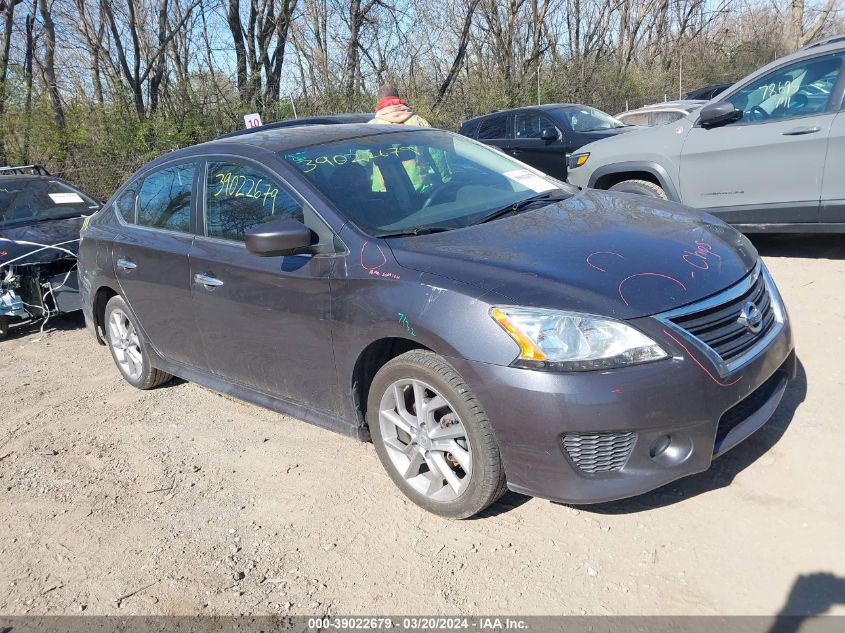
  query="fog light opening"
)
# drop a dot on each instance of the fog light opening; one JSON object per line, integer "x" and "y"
{"x": 660, "y": 445}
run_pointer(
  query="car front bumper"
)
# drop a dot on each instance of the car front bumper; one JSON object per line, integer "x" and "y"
{"x": 591, "y": 437}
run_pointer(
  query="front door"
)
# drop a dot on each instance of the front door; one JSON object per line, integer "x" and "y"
{"x": 150, "y": 257}
{"x": 547, "y": 155}
{"x": 767, "y": 166}
{"x": 833, "y": 184}
{"x": 265, "y": 321}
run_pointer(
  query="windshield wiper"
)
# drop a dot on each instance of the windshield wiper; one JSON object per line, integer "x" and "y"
{"x": 418, "y": 230}
{"x": 515, "y": 207}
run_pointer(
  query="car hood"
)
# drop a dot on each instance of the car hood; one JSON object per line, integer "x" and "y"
{"x": 620, "y": 255}
{"x": 27, "y": 241}
{"x": 600, "y": 134}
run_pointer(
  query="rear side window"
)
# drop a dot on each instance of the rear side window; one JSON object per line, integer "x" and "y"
{"x": 470, "y": 128}
{"x": 164, "y": 201}
{"x": 239, "y": 196}
{"x": 494, "y": 127}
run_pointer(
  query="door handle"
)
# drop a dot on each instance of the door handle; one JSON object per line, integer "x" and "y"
{"x": 798, "y": 131}
{"x": 126, "y": 264}
{"x": 516, "y": 151}
{"x": 207, "y": 281}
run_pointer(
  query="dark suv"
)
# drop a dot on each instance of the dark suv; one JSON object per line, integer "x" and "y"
{"x": 543, "y": 136}
{"x": 486, "y": 325}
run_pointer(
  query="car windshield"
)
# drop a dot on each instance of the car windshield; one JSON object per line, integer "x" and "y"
{"x": 587, "y": 119}
{"x": 417, "y": 181}
{"x": 24, "y": 200}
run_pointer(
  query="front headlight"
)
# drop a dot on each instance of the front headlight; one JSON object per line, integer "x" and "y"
{"x": 576, "y": 160}
{"x": 571, "y": 341}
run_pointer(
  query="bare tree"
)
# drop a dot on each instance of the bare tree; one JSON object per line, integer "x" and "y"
{"x": 798, "y": 34}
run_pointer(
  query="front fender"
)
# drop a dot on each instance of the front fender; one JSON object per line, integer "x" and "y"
{"x": 448, "y": 317}
{"x": 657, "y": 170}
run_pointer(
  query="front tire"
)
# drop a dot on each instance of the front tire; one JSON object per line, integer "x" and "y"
{"x": 129, "y": 348}
{"x": 433, "y": 437}
{"x": 642, "y": 187}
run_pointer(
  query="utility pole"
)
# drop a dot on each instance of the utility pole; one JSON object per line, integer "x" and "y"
{"x": 538, "y": 84}
{"x": 680, "y": 77}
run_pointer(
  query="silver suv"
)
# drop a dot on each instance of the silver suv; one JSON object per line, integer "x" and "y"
{"x": 765, "y": 155}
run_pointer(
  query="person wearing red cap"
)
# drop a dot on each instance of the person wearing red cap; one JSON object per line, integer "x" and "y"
{"x": 392, "y": 110}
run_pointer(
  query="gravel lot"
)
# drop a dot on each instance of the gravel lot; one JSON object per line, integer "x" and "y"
{"x": 181, "y": 501}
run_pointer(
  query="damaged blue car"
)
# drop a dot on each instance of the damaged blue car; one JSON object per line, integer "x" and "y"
{"x": 40, "y": 219}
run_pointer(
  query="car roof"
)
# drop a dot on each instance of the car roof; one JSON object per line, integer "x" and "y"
{"x": 328, "y": 119}
{"x": 544, "y": 107}
{"x": 295, "y": 137}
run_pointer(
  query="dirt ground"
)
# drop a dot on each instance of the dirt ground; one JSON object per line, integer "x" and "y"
{"x": 180, "y": 501}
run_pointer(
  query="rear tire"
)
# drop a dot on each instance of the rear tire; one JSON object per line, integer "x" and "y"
{"x": 4, "y": 327}
{"x": 442, "y": 455}
{"x": 642, "y": 187}
{"x": 129, "y": 347}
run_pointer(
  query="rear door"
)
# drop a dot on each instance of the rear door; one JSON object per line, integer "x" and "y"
{"x": 548, "y": 156}
{"x": 150, "y": 257}
{"x": 766, "y": 167}
{"x": 495, "y": 130}
{"x": 265, "y": 321}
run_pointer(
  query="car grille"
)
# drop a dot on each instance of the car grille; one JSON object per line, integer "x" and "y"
{"x": 719, "y": 328}
{"x": 746, "y": 407}
{"x": 599, "y": 452}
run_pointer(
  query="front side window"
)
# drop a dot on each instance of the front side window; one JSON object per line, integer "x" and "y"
{"x": 239, "y": 196}
{"x": 369, "y": 182}
{"x": 530, "y": 124}
{"x": 800, "y": 89}
{"x": 164, "y": 201}
{"x": 493, "y": 127}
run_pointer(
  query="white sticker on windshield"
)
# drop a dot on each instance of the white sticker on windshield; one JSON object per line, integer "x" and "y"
{"x": 532, "y": 181}
{"x": 65, "y": 198}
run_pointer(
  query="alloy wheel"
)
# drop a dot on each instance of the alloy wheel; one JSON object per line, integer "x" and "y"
{"x": 425, "y": 440}
{"x": 125, "y": 344}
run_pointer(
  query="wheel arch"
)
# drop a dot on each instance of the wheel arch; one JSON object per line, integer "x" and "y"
{"x": 609, "y": 175}
{"x": 98, "y": 310}
{"x": 371, "y": 359}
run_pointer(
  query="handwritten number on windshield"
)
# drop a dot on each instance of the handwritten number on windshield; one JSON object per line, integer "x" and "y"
{"x": 359, "y": 157}
{"x": 233, "y": 185}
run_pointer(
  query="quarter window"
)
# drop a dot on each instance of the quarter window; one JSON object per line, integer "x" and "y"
{"x": 800, "y": 89}
{"x": 125, "y": 204}
{"x": 239, "y": 196}
{"x": 164, "y": 201}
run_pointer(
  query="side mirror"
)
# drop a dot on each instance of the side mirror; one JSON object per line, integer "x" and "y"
{"x": 717, "y": 113}
{"x": 279, "y": 237}
{"x": 549, "y": 134}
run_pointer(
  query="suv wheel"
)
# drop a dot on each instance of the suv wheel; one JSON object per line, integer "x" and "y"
{"x": 433, "y": 437}
{"x": 642, "y": 187}
{"x": 128, "y": 347}
{"x": 4, "y": 327}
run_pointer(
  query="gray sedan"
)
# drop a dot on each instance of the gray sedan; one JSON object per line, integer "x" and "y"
{"x": 486, "y": 326}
